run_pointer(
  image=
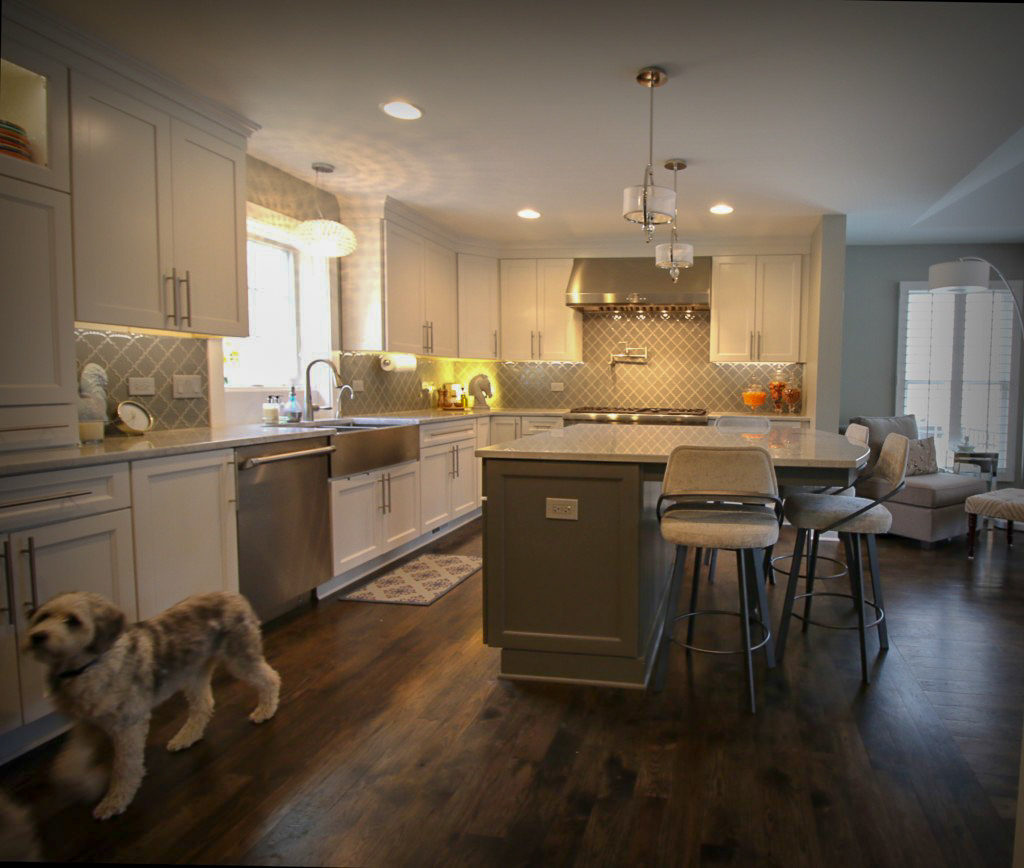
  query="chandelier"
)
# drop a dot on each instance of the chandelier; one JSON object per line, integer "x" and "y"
{"x": 648, "y": 204}
{"x": 674, "y": 255}
{"x": 323, "y": 237}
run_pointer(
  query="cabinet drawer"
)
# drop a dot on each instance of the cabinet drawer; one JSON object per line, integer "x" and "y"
{"x": 36, "y": 427}
{"x": 447, "y": 432}
{"x": 536, "y": 424}
{"x": 39, "y": 498}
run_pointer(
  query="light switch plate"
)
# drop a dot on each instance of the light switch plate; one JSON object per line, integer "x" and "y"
{"x": 357, "y": 386}
{"x": 557, "y": 387}
{"x": 188, "y": 386}
{"x": 565, "y": 508}
{"x": 141, "y": 386}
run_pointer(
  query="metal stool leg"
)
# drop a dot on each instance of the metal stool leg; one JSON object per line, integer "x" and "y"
{"x": 856, "y": 564}
{"x": 767, "y": 567}
{"x": 757, "y": 574}
{"x": 787, "y": 606}
{"x": 972, "y": 532}
{"x": 1009, "y": 532}
{"x": 693, "y": 597}
{"x": 745, "y": 619}
{"x": 876, "y": 590}
{"x": 711, "y": 566}
{"x": 812, "y": 562}
{"x": 670, "y": 613}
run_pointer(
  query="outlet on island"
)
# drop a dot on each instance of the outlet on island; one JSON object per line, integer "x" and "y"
{"x": 565, "y": 508}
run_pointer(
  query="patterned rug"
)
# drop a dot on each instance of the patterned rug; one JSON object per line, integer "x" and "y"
{"x": 418, "y": 582}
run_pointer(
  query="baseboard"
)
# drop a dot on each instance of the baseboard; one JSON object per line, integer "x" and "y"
{"x": 31, "y": 735}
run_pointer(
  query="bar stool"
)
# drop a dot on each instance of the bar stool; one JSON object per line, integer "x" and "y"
{"x": 854, "y": 518}
{"x": 720, "y": 498}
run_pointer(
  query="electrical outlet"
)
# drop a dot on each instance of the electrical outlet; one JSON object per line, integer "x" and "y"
{"x": 141, "y": 386}
{"x": 188, "y": 386}
{"x": 357, "y": 386}
{"x": 557, "y": 387}
{"x": 565, "y": 508}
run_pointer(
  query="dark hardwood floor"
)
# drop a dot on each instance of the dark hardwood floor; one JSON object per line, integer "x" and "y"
{"x": 395, "y": 744}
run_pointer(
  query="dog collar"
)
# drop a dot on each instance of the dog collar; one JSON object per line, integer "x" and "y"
{"x": 72, "y": 673}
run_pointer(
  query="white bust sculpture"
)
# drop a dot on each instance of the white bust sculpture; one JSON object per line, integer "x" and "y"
{"x": 480, "y": 390}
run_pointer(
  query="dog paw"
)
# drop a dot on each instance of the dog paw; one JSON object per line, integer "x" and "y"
{"x": 109, "y": 807}
{"x": 261, "y": 714}
{"x": 182, "y": 741}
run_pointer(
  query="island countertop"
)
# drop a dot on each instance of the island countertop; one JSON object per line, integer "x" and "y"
{"x": 651, "y": 444}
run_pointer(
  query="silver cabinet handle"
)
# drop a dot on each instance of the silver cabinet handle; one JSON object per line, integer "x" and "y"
{"x": 431, "y": 336}
{"x": 458, "y": 469}
{"x": 9, "y": 582}
{"x": 383, "y": 496}
{"x": 455, "y": 457}
{"x": 32, "y": 604}
{"x": 759, "y": 345}
{"x": 426, "y": 341}
{"x": 751, "y": 345}
{"x": 8, "y": 504}
{"x": 187, "y": 280}
{"x": 389, "y": 494}
{"x": 495, "y": 343}
{"x": 531, "y": 344}
{"x": 249, "y": 463}
{"x": 174, "y": 297}
{"x": 540, "y": 351}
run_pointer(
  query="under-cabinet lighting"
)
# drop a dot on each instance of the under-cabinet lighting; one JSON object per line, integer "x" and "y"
{"x": 402, "y": 110}
{"x": 721, "y": 208}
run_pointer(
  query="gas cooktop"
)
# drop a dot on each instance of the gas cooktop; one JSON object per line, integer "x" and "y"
{"x": 639, "y": 415}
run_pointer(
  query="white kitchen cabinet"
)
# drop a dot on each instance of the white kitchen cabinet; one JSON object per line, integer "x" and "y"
{"x": 539, "y": 424}
{"x": 159, "y": 217}
{"x": 421, "y": 296}
{"x": 400, "y": 520}
{"x": 448, "y": 472}
{"x": 479, "y": 307}
{"x": 437, "y": 464}
{"x": 504, "y": 428}
{"x": 535, "y": 322}
{"x": 93, "y": 553}
{"x": 37, "y": 355}
{"x": 34, "y": 95}
{"x": 183, "y": 508}
{"x": 465, "y": 489}
{"x": 755, "y": 308}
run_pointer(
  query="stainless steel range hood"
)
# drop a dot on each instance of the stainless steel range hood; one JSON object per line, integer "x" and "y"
{"x": 629, "y": 283}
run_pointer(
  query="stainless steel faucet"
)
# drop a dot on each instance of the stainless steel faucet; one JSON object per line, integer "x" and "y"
{"x": 310, "y": 407}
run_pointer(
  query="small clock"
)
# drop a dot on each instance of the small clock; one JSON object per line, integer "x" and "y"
{"x": 133, "y": 418}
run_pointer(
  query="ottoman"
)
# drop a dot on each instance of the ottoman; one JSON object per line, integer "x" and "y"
{"x": 1007, "y": 504}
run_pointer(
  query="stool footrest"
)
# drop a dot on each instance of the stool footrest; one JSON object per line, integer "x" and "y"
{"x": 875, "y": 606}
{"x": 767, "y": 633}
{"x": 843, "y": 572}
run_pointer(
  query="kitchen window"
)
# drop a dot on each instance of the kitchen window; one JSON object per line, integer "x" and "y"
{"x": 956, "y": 354}
{"x": 289, "y": 309}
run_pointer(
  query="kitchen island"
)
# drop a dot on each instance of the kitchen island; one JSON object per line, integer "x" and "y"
{"x": 575, "y": 569}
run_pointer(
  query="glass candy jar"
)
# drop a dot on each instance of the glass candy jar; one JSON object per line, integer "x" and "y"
{"x": 754, "y": 397}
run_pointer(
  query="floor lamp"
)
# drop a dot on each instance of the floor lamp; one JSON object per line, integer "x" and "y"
{"x": 971, "y": 274}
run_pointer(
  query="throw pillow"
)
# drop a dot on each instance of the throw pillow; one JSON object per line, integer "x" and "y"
{"x": 921, "y": 457}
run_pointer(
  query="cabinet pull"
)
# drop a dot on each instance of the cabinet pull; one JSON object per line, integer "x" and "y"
{"x": 383, "y": 496}
{"x": 11, "y": 503}
{"x": 10, "y": 428}
{"x": 431, "y": 323}
{"x": 31, "y": 552}
{"x": 531, "y": 344}
{"x": 495, "y": 343}
{"x": 540, "y": 352}
{"x": 759, "y": 345}
{"x": 173, "y": 278}
{"x": 187, "y": 280}
{"x": 426, "y": 343}
{"x": 389, "y": 493}
{"x": 458, "y": 468}
{"x": 752, "y": 345}
{"x": 9, "y": 582}
{"x": 249, "y": 463}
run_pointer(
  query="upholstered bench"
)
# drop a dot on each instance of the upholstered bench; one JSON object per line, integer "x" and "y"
{"x": 1007, "y": 504}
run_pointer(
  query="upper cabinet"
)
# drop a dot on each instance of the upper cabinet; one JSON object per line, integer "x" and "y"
{"x": 420, "y": 294}
{"x": 34, "y": 116}
{"x": 159, "y": 217}
{"x": 478, "y": 307}
{"x": 535, "y": 322}
{"x": 755, "y": 308}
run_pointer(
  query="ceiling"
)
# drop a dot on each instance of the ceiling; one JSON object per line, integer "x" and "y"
{"x": 906, "y": 117}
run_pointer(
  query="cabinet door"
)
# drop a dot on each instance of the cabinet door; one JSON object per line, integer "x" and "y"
{"x": 465, "y": 491}
{"x": 208, "y": 177}
{"x": 401, "y": 522}
{"x": 732, "y": 309}
{"x": 10, "y": 684}
{"x": 357, "y": 504}
{"x": 183, "y": 509}
{"x": 121, "y": 160}
{"x": 478, "y": 307}
{"x": 440, "y": 299}
{"x": 779, "y": 281}
{"x": 403, "y": 283}
{"x": 559, "y": 328}
{"x": 34, "y": 95}
{"x": 87, "y": 554}
{"x": 504, "y": 428}
{"x": 518, "y": 308}
{"x": 37, "y": 354}
{"x": 437, "y": 464}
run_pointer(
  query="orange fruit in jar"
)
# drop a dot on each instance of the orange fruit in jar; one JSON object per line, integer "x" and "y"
{"x": 754, "y": 399}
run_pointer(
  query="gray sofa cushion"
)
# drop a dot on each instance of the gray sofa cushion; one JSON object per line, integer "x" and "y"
{"x": 880, "y": 427}
{"x": 931, "y": 491}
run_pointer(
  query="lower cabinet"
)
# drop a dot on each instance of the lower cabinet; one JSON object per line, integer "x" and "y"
{"x": 185, "y": 527}
{"x": 93, "y": 553}
{"x": 537, "y": 424}
{"x": 372, "y": 513}
{"x": 504, "y": 428}
{"x": 448, "y": 486}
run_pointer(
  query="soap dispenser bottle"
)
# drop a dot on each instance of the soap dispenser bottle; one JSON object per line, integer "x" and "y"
{"x": 293, "y": 412}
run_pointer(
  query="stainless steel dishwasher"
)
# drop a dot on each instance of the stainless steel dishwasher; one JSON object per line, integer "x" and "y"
{"x": 284, "y": 523}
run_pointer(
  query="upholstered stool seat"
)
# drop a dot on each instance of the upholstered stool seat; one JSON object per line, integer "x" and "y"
{"x": 1006, "y": 504}
{"x": 818, "y": 511}
{"x": 721, "y": 529}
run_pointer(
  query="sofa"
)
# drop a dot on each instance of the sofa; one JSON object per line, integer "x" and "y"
{"x": 931, "y": 506}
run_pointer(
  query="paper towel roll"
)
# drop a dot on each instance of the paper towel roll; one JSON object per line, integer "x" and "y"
{"x": 400, "y": 362}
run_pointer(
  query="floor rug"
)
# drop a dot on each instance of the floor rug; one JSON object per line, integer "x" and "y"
{"x": 418, "y": 582}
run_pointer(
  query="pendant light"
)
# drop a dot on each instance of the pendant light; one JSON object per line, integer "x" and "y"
{"x": 323, "y": 237}
{"x": 649, "y": 204}
{"x": 674, "y": 255}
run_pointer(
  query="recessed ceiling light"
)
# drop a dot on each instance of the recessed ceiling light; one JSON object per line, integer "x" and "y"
{"x": 528, "y": 214}
{"x": 721, "y": 208}
{"x": 401, "y": 110}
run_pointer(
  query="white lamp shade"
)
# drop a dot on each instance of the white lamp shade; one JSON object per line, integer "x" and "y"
{"x": 679, "y": 255}
{"x": 326, "y": 237}
{"x": 960, "y": 276}
{"x": 661, "y": 204}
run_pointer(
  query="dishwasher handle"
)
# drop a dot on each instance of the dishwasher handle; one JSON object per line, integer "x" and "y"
{"x": 285, "y": 456}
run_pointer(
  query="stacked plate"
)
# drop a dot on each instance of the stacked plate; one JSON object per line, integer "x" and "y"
{"x": 14, "y": 141}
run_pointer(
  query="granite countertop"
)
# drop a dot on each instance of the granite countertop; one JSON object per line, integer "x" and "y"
{"x": 651, "y": 444}
{"x": 155, "y": 444}
{"x": 435, "y": 415}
